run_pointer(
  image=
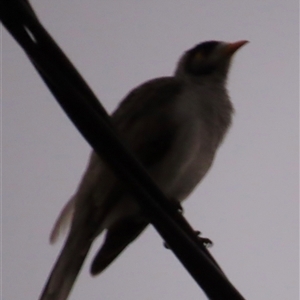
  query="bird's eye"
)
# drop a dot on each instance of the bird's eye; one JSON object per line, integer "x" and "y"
{"x": 198, "y": 57}
{"x": 198, "y": 64}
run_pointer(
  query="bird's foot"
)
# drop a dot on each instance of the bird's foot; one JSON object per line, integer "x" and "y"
{"x": 206, "y": 242}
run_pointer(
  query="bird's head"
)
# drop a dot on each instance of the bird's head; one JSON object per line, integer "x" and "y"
{"x": 207, "y": 61}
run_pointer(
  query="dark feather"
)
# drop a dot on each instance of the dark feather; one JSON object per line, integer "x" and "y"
{"x": 143, "y": 119}
{"x": 67, "y": 267}
{"x": 117, "y": 238}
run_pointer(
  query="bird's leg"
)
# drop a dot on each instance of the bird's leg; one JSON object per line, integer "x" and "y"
{"x": 176, "y": 204}
{"x": 178, "y": 207}
{"x": 204, "y": 241}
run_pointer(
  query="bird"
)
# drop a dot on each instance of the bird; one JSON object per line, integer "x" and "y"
{"x": 174, "y": 126}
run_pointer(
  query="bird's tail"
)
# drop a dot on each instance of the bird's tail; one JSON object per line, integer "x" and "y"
{"x": 67, "y": 266}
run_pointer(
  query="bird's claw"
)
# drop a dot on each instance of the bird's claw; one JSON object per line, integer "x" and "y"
{"x": 206, "y": 242}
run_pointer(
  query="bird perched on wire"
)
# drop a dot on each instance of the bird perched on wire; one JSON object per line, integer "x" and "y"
{"x": 174, "y": 125}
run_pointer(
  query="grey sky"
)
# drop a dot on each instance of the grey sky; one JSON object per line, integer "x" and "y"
{"x": 249, "y": 202}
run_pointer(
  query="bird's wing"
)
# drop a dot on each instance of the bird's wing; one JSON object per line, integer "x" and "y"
{"x": 117, "y": 239}
{"x": 89, "y": 179}
{"x": 144, "y": 123}
{"x": 144, "y": 119}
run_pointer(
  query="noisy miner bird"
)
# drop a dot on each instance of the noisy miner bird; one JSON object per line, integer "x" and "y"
{"x": 174, "y": 125}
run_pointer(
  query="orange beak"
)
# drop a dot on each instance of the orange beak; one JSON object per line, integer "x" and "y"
{"x": 231, "y": 48}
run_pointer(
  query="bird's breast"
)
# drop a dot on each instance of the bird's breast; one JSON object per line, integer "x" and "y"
{"x": 203, "y": 117}
{"x": 193, "y": 159}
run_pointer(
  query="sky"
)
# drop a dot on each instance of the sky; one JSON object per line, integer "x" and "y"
{"x": 248, "y": 204}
